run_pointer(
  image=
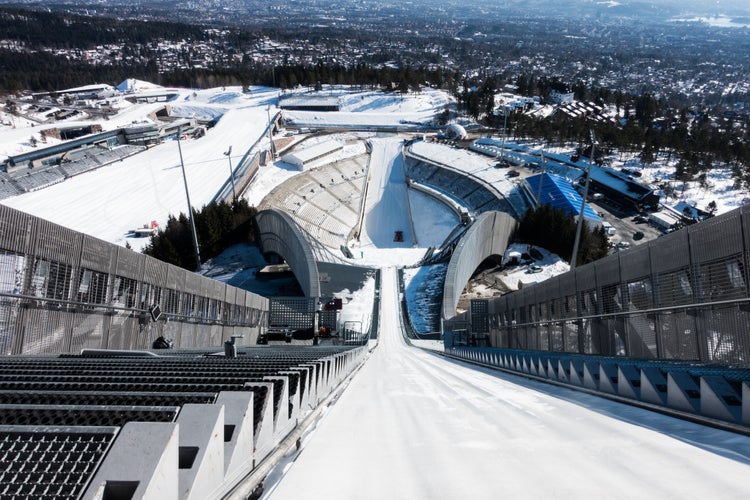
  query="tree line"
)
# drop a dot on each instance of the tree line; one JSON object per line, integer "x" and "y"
{"x": 554, "y": 229}
{"x": 219, "y": 225}
{"x": 37, "y": 29}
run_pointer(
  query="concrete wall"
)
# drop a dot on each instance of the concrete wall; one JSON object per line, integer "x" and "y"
{"x": 488, "y": 236}
{"x": 279, "y": 234}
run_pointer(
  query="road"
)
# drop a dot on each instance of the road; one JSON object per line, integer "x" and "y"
{"x": 413, "y": 425}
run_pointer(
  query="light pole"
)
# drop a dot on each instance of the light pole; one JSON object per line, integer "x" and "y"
{"x": 270, "y": 136}
{"x": 541, "y": 176}
{"x": 574, "y": 258}
{"x": 190, "y": 206}
{"x": 228, "y": 154}
{"x": 505, "y": 125}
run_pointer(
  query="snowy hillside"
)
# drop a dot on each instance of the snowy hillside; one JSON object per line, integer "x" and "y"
{"x": 109, "y": 202}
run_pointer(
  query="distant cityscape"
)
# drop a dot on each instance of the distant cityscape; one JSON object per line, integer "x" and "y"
{"x": 688, "y": 63}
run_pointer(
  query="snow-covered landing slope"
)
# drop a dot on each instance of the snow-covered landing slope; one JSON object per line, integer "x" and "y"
{"x": 413, "y": 425}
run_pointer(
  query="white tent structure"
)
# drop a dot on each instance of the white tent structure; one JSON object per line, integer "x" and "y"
{"x": 456, "y": 131}
{"x": 306, "y": 156}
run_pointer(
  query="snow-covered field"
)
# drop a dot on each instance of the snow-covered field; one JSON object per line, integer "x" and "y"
{"x": 376, "y": 109}
{"x": 112, "y": 200}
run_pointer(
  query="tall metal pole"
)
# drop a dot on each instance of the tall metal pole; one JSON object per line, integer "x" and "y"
{"x": 541, "y": 176}
{"x": 270, "y": 136}
{"x": 228, "y": 154}
{"x": 190, "y": 206}
{"x": 574, "y": 257}
{"x": 505, "y": 123}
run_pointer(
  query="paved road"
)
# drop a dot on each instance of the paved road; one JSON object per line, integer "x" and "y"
{"x": 412, "y": 425}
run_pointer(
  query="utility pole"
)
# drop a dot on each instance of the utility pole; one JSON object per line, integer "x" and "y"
{"x": 228, "y": 154}
{"x": 190, "y": 206}
{"x": 574, "y": 258}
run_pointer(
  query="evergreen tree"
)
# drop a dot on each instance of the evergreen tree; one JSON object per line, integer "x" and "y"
{"x": 554, "y": 229}
{"x": 218, "y": 226}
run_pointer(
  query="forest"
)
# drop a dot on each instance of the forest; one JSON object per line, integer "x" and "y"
{"x": 648, "y": 127}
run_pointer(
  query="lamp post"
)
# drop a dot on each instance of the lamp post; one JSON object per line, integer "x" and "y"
{"x": 505, "y": 125}
{"x": 270, "y": 136}
{"x": 541, "y": 176}
{"x": 574, "y": 258}
{"x": 190, "y": 206}
{"x": 228, "y": 154}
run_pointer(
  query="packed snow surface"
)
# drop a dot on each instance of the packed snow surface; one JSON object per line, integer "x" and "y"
{"x": 413, "y": 425}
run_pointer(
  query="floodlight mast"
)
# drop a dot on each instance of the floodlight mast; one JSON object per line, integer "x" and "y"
{"x": 190, "y": 206}
{"x": 270, "y": 132}
{"x": 505, "y": 125}
{"x": 541, "y": 176}
{"x": 228, "y": 154}
{"x": 579, "y": 227}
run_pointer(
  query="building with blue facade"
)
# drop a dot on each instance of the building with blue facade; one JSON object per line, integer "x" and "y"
{"x": 549, "y": 189}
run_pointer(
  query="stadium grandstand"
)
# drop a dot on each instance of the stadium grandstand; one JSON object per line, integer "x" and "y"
{"x": 326, "y": 201}
{"x": 476, "y": 194}
{"x": 118, "y": 392}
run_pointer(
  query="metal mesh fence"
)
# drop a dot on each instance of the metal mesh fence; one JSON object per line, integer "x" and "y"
{"x": 61, "y": 291}
{"x": 684, "y": 296}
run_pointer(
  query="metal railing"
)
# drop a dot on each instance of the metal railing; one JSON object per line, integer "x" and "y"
{"x": 61, "y": 291}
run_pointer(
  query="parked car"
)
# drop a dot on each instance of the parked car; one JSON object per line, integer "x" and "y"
{"x": 633, "y": 172}
{"x": 533, "y": 269}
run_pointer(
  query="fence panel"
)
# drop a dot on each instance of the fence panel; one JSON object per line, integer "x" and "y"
{"x": 684, "y": 296}
{"x": 62, "y": 291}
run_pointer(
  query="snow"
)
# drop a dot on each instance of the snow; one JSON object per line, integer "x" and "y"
{"x": 413, "y": 425}
{"x": 423, "y": 290}
{"x": 551, "y": 264}
{"x": 109, "y": 202}
{"x": 719, "y": 186}
{"x": 132, "y": 85}
{"x": 357, "y": 308}
{"x": 375, "y": 109}
{"x": 149, "y": 186}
